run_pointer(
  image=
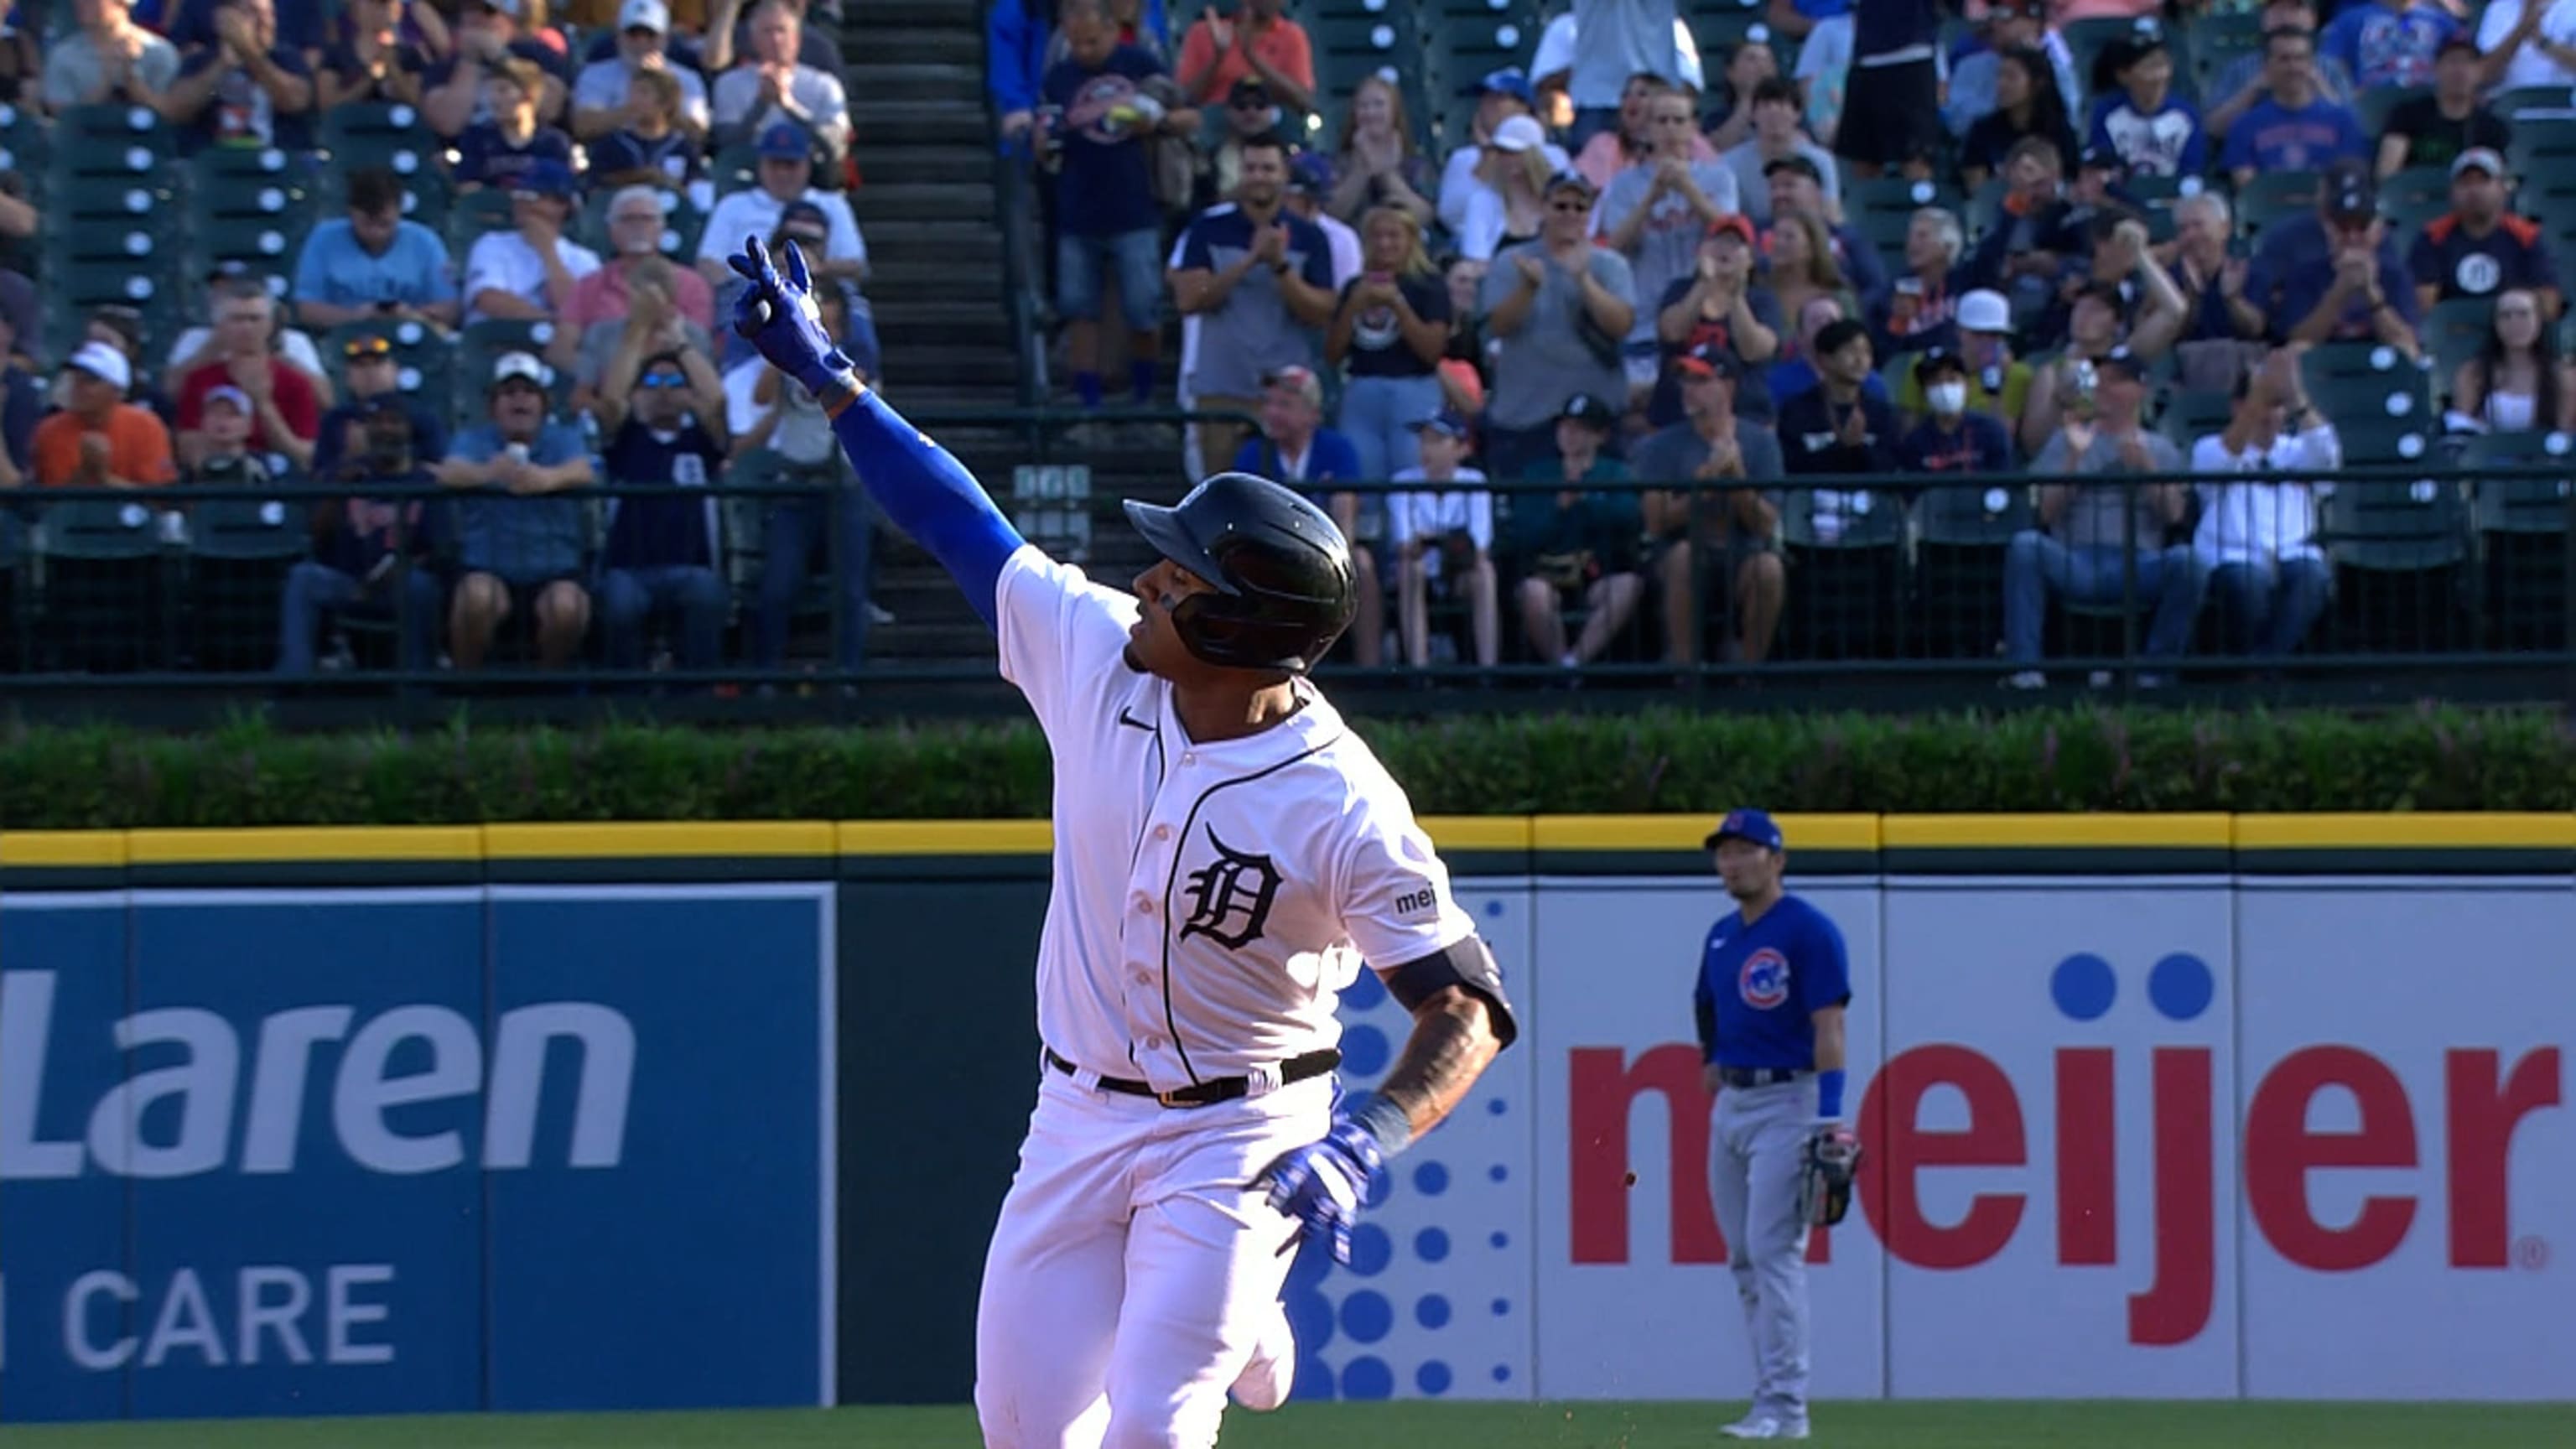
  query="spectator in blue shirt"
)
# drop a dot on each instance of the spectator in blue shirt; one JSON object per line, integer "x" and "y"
{"x": 499, "y": 151}
{"x": 242, "y": 87}
{"x": 2335, "y": 274}
{"x": 664, "y": 416}
{"x": 2388, "y": 42}
{"x": 372, "y": 263}
{"x": 2153, "y": 131}
{"x": 1102, "y": 112}
{"x": 520, "y": 539}
{"x": 2295, "y": 128}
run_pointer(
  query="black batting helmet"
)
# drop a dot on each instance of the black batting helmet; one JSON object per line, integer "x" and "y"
{"x": 1281, "y": 572}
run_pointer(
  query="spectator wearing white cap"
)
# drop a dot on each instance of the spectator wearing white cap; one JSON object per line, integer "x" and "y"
{"x": 1443, "y": 537}
{"x": 786, "y": 174}
{"x": 2479, "y": 248}
{"x": 99, "y": 440}
{"x": 1500, "y": 96}
{"x": 1998, "y": 382}
{"x": 770, "y": 85}
{"x": 602, "y": 95}
{"x": 1504, "y": 199}
{"x": 520, "y": 538}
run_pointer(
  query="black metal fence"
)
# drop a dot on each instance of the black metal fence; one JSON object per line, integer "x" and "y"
{"x": 1940, "y": 582}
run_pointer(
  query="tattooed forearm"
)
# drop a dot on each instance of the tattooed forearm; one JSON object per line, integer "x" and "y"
{"x": 1453, "y": 1042}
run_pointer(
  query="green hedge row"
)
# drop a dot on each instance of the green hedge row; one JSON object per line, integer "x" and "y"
{"x": 1670, "y": 761}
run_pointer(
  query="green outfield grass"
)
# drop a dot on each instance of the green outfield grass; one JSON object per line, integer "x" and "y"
{"x": 1948, "y": 1425}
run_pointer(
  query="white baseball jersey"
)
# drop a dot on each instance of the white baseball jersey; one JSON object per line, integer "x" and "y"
{"x": 1211, "y": 900}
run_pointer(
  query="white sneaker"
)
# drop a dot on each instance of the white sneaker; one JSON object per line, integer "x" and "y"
{"x": 1758, "y": 1425}
{"x": 1264, "y": 1383}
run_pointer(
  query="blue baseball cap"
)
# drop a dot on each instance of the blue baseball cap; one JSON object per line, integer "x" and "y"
{"x": 1510, "y": 80}
{"x": 786, "y": 140}
{"x": 1448, "y": 422}
{"x": 545, "y": 178}
{"x": 1753, "y": 826}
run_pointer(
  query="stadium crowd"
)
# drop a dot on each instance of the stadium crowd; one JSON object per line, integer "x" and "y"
{"x": 1655, "y": 281}
{"x": 505, "y": 279}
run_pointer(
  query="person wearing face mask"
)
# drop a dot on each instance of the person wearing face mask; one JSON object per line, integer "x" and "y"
{"x": 1998, "y": 383}
{"x": 1951, "y": 439}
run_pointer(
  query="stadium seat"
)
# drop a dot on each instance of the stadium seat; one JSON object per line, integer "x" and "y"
{"x": 2454, "y": 331}
{"x": 1845, "y": 555}
{"x": 1962, "y": 530}
{"x": 735, "y": 168}
{"x": 2400, "y": 547}
{"x": 26, "y": 145}
{"x": 2415, "y": 196}
{"x": 2373, "y": 105}
{"x": 1351, "y": 48}
{"x": 265, "y": 246}
{"x": 239, "y": 551}
{"x": 2534, "y": 102}
{"x": 106, "y": 588}
{"x": 2362, "y": 383}
{"x": 1467, "y": 40}
{"x": 2543, "y": 146}
{"x": 361, "y": 137}
{"x": 2524, "y": 528}
{"x": 1882, "y": 210}
{"x": 471, "y": 215}
{"x": 2272, "y": 195}
{"x": 110, "y": 139}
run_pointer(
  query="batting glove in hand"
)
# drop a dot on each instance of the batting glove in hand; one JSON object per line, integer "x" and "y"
{"x": 778, "y": 316}
{"x": 1322, "y": 1184}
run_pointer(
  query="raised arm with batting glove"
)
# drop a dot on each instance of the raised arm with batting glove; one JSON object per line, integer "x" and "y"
{"x": 923, "y": 489}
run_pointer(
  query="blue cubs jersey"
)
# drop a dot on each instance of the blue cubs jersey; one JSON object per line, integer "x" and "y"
{"x": 1760, "y": 984}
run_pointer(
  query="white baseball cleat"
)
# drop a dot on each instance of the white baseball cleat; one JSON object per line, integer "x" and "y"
{"x": 1264, "y": 1383}
{"x": 1758, "y": 1425}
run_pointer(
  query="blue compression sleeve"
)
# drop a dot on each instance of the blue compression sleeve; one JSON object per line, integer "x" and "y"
{"x": 1829, "y": 1093}
{"x": 928, "y": 494}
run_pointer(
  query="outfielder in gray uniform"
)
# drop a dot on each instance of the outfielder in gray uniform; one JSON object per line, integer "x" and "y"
{"x": 1773, "y": 985}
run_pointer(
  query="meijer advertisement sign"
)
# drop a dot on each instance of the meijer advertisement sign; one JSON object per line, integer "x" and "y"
{"x": 520, "y": 1146}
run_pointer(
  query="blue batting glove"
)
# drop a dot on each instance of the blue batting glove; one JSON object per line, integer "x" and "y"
{"x": 778, "y": 316}
{"x": 1322, "y": 1184}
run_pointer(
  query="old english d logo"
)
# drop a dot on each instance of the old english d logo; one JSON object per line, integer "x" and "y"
{"x": 1230, "y": 897}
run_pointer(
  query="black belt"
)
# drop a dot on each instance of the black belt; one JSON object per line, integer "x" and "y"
{"x": 1207, "y": 1093}
{"x": 1758, "y": 1076}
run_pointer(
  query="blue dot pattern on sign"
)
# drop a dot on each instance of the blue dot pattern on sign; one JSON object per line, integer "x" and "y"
{"x": 1366, "y": 1316}
{"x": 1432, "y": 1378}
{"x": 1381, "y": 1187}
{"x": 2181, "y": 986}
{"x": 1431, "y": 1179}
{"x": 1431, "y": 1245}
{"x": 1502, "y": 1307}
{"x": 1371, "y": 1250}
{"x": 1364, "y": 993}
{"x": 2083, "y": 986}
{"x": 1432, "y": 1311}
{"x": 1314, "y": 1378}
{"x": 1497, "y": 1106}
{"x": 1501, "y": 1240}
{"x": 1498, "y": 1172}
{"x": 1364, "y": 1051}
{"x": 1502, "y": 1373}
{"x": 1368, "y": 1378}
{"x": 1493, "y": 910}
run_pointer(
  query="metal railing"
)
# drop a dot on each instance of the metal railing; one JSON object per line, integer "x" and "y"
{"x": 2435, "y": 580}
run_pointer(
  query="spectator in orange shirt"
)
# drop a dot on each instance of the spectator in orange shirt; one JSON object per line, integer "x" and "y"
{"x": 100, "y": 440}
{"x": 1259, "y": 42}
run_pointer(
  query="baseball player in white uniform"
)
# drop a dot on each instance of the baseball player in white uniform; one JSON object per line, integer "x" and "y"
{"x": 1228, "y": 856}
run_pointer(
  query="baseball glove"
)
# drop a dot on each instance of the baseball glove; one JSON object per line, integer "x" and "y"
{"x": 1825, "y": 1183}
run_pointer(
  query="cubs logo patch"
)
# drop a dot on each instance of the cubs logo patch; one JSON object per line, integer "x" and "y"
{"x": 1764, "y": 980}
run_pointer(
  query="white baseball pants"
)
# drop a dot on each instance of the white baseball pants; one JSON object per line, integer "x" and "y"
{"x": 1755, "y": 1155}
{"x": 1133, "y": 1269}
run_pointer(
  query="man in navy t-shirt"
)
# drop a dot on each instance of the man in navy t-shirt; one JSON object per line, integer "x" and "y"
{"x": 242, "y": 86}
{"x": 499, "y": 151}
{"x": 1100, "y": 121}
{"x": 1772, "y": 990}
{"x": 666, "y": 420}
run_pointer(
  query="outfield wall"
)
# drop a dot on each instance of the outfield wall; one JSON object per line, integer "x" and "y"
{"x": 575, "y": 1117}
